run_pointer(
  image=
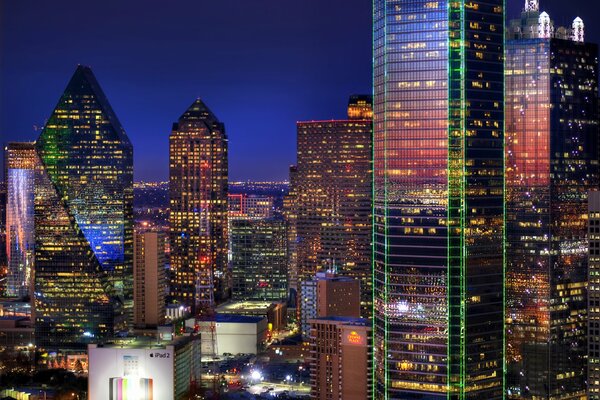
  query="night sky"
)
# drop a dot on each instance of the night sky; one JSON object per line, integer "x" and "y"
{"x": 260, "y": 65}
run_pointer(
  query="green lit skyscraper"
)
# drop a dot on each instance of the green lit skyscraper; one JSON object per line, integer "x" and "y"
{"x": 438, "y": 221}
{"x": 83, "y": 219}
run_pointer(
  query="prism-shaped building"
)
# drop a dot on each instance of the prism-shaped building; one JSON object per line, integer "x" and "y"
{"x": 83, "y": 220}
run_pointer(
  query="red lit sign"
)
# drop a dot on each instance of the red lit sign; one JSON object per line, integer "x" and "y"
{"x": 355, "y": 338}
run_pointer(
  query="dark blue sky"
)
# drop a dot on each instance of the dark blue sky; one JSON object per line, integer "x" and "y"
{"x": 260, "y": 65}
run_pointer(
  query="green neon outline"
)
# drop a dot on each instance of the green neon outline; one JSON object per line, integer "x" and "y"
{"x": 456, "y": 374}
{"x": 504, "y": 364}
{"x": 373, "y": 327}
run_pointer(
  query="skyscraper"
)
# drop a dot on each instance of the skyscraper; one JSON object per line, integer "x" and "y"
{"x": 438, "y": 199}
{"x": 333, "y": 198}
{"x": 83, "y": 219}
{"x": 594, "y": 296}
{"x": 21, "y": 160}
{"x": 290, "y": 215}
{"x": 198, "y": 216}
{"x": 3, "y": 256}
{"x": 551, "y": 164}
{"x": 259, "y": 259}
{"x": 149, "y": 280}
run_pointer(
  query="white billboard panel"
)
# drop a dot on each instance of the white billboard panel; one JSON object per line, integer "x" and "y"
{"x": 130, "y": 374}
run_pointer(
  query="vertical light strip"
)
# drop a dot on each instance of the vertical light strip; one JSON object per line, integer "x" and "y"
{"x": 504, "y": 370}
{"x": 456, "y": 201}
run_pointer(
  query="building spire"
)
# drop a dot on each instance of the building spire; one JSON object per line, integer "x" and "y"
{"x": 545, "y": 28}
{"x": 532, "y": 5}
{"x": 578, "y": 33}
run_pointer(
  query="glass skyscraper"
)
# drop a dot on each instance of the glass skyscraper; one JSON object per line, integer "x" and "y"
{"x": 552, "y": 163}
{"x": 198, "y": 209}
{"x": 21, "y": 160}
{"x": 83, "y": 219}
{"x": 438, "y": 199}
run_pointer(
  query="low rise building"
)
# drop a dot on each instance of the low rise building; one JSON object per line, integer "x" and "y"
{"x": 143, "y": 368}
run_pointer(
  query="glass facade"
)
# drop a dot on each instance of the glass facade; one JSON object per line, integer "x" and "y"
{"x": 83, "y": 219}
{"x": 438, "y": 203}
{"x": 594, "y": 296}
{"x": 552, "y": 162}
{"x": 259, "y": 259}
{"x": 332, "y": 203}
{"x": 198, "y": 209}
{"x": 20, "y": 162}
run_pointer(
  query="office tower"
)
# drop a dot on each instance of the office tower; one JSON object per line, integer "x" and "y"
{"x": 243, "y": 206}
{"x": 438, "y": 199}
{"x": 3, "y": 256}
{"x": 551, "y": 164}
{"x": 341, "y": 349}
{"x": 259, "y": 259}
{"x": 83, "y": 219}
{"x": 198, "y": 216}
{"x": 149, "y": 279}
{"x": 290, "y": 216}
{"x": 333, "y": 199}
{"x": 21, "y": 161}
{"x": 328, "y": 295}
{"x": 593, "y": 295}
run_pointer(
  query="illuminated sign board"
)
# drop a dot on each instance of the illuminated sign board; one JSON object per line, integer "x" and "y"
{"x": 130, "y": 374}
{"x": 354, "y": 337}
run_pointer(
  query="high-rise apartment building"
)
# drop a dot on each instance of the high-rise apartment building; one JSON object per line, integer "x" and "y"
{"x": 149, "y": 279}
{"x": 593, "y": 377}
{"x": 438, "y": 199}
{"x": 20, "y": 161}
{"x": 198, "y": 209}
{"x": 333, "y": 198}
{"x": 551, "y": 164}
{"x": 83, "y": 219}
{"x": 259, "y": 259}
{"x": 341, "y": 349}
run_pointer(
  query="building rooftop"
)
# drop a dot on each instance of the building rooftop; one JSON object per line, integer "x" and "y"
{"x": 246, "y": 306}
{"x": 236, "y": 318}
{"x": 345, "y": 320}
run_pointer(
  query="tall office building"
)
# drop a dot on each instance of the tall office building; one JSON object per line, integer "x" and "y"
{"x": 551, "y": 164}
{"x": 290, "y": 214}
{"x": 333, "y": 198}
{"x": 83, "y": 219}
{"x": 149, "y": 279}
{"x": 21, "y": 161}
{"x": 3, "y": 256}
{"x": 594, "y": 296}
{"x": 198, "y": 215}
{"x": 259, "y": 259}
{"x": 438, "y": 199}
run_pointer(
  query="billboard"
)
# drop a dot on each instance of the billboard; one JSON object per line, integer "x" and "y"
{"x": 130, "y": 374}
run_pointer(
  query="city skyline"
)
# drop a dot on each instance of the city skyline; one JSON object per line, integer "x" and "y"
{"x": 278, "y": 82}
